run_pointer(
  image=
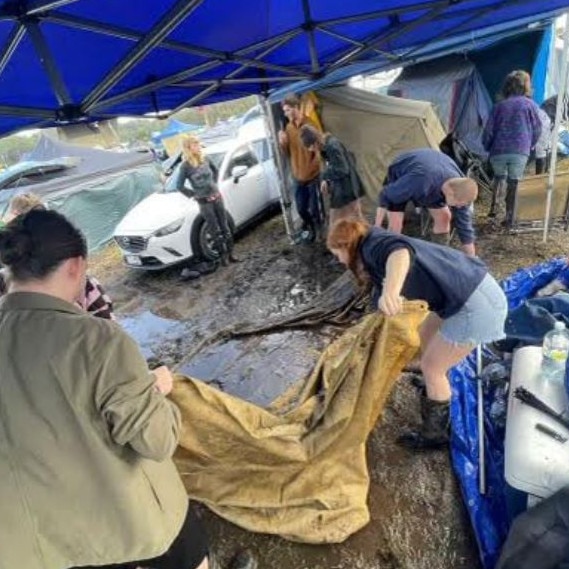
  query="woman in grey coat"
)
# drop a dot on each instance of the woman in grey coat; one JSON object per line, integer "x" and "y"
{"x": 202, "y": 175}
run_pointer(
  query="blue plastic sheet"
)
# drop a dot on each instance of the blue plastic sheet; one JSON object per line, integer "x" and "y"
{"x": 488, "y": 512}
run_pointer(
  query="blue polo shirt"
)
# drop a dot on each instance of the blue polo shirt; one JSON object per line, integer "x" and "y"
{"x": 443, "y": 277}
{"x": 418, "y": 176}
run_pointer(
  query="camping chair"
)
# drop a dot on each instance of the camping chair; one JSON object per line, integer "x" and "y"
{"x": 471, "y": 164}
{"x": 530, "y": 203}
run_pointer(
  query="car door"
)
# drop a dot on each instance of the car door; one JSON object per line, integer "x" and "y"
{"x": 245, "y": 196}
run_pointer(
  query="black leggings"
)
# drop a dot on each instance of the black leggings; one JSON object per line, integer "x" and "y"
{"x": 215, "y": 216}
{"x": 187, "y": 551}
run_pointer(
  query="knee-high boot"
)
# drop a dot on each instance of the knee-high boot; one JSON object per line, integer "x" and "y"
{"x": 498, "y": 198}
{"x": 511, "y": 194}
{"x": 434, "y": 429}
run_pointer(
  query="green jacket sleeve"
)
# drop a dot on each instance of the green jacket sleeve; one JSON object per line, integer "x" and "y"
{"x": 135, "y": 412}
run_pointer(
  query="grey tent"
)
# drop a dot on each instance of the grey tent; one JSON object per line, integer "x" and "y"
{"x": 95, "y": 191}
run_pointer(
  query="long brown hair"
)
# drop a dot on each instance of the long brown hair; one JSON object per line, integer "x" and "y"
{"x": 347, "y": 234}
{"x": 193, "y": 158}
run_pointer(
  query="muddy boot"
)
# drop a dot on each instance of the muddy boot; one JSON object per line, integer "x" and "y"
{"x": 498, "y": 198}
{"x": 511, "y": 195}
{"x": 434, "y": 430}
{"x": 243, "y": 560}
{"x": 441, "y": 238}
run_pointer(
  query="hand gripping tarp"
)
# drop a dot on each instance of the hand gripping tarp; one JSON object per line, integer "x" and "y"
{"x": 298, "y": 469}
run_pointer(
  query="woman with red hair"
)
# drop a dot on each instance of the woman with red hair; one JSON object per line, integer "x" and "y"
{"x": 467, "y": 306}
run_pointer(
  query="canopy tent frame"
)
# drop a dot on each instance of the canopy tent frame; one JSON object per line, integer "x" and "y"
{"x": 246, "y": 70}
{"x": 561, "y": 98}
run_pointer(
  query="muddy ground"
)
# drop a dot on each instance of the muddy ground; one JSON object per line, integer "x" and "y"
{"x": 417, "y": 517}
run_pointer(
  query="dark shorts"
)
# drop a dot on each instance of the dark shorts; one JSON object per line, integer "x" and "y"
{"x": 187, "y": 551}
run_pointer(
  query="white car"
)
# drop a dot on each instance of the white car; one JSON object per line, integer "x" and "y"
{"x": 166, "y": 228}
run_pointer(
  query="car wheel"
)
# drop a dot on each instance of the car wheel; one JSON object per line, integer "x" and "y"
{"x": 203, "y": 244}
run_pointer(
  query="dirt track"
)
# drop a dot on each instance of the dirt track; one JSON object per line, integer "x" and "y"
{"x": 418, "y": 520}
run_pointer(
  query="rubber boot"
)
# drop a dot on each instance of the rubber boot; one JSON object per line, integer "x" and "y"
{"x": 434, "y": 430}
{"x": 498, "y": 198}
{"x": 441, "y": 238}
{"x": 511, "y": 194}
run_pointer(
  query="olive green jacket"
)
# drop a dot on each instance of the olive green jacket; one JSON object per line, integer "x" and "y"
{"x": 86, "y": 476}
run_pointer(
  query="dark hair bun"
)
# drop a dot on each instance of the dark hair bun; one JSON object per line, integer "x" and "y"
{"x": 16, "y": 245}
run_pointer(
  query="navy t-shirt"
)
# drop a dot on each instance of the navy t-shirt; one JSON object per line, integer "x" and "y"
{"x": 418, "y": 176}
{"x": 443, "y": 277}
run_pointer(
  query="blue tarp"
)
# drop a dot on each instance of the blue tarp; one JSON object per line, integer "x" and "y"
{"x": 174, "y": 128}
{"x": 488, "y": 513}
{"x": 78, "y": 60}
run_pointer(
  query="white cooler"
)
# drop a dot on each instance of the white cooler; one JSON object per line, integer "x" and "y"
{"x": 534, "y": 462}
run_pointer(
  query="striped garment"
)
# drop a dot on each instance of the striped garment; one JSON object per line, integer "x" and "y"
{"x": 96, "y": 301}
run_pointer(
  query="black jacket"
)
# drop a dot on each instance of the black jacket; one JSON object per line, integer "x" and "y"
{"x": 340, "y": 172}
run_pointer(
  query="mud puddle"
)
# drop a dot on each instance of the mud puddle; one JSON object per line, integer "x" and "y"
{"x": 257, "y": 369}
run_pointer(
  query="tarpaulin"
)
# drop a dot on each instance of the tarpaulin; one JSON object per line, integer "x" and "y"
{"x": 298, "y": 468}
{"x": 488, "y": 512}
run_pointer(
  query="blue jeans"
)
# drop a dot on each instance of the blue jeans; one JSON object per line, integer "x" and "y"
{"x": 510, "y": 166}
{"x": 309, "y": 203}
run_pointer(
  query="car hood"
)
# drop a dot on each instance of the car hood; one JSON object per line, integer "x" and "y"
{"x": 154, "y": 212}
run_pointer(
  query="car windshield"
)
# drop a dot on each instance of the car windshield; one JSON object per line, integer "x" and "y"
{"x": 170, "y": 185}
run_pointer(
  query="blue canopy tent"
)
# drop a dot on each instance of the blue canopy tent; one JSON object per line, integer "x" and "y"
{"x": 68, "y": 61}
{"x": 65, "y": 61}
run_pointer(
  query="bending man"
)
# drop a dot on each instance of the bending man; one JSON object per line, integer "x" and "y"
{"x": 429, "y": 179}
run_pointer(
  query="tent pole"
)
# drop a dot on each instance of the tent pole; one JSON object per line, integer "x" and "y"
{"x": 281, "y": 175}
{"x": 561, "y": 94}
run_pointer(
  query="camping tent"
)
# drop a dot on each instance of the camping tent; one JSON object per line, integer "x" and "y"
{"x": 171, "y": 136}
{"x": 463, "y": 87}
{"x": 456, "y": 89}
{"x": 377, "y": 128}
{"x": 97, "y": 191}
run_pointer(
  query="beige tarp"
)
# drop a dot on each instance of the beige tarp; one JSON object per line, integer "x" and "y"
{"x": 298, "y": 469}
{"x": 376, "y": 128}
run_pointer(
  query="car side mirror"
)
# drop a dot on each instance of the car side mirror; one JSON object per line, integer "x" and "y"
{"x": 238, "y": 172}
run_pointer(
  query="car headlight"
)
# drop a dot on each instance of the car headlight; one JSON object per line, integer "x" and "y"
{"x": 170, "y": 228}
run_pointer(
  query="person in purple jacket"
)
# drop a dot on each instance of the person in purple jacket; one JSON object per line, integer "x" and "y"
{"x": 510, "y": 134}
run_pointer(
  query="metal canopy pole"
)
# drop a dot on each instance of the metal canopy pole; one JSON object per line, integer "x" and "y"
{"x": 48, "y": 62}
{"x": 169, "y": 21}
{"x": 555, "y": 135}
{"x": 11, "y": 45}
{"x": 282, "y": 179}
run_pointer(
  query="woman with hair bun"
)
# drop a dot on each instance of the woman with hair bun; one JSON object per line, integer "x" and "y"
{"x": 467, "y": 306}
{"x": 86, "y": 432}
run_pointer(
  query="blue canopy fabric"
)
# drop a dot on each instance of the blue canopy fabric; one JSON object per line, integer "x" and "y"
{"x": 64, "y": 61}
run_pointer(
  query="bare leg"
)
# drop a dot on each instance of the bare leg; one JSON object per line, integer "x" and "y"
{"x": 203, "y": 565}
{"x": 441, "y": 220}
{"x": 428, "y": 329}
{"x": 395, "y": 221}
{"x": 438, "y": 357}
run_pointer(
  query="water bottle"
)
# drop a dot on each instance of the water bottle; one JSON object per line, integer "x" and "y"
{"x": 555, "y": 351}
